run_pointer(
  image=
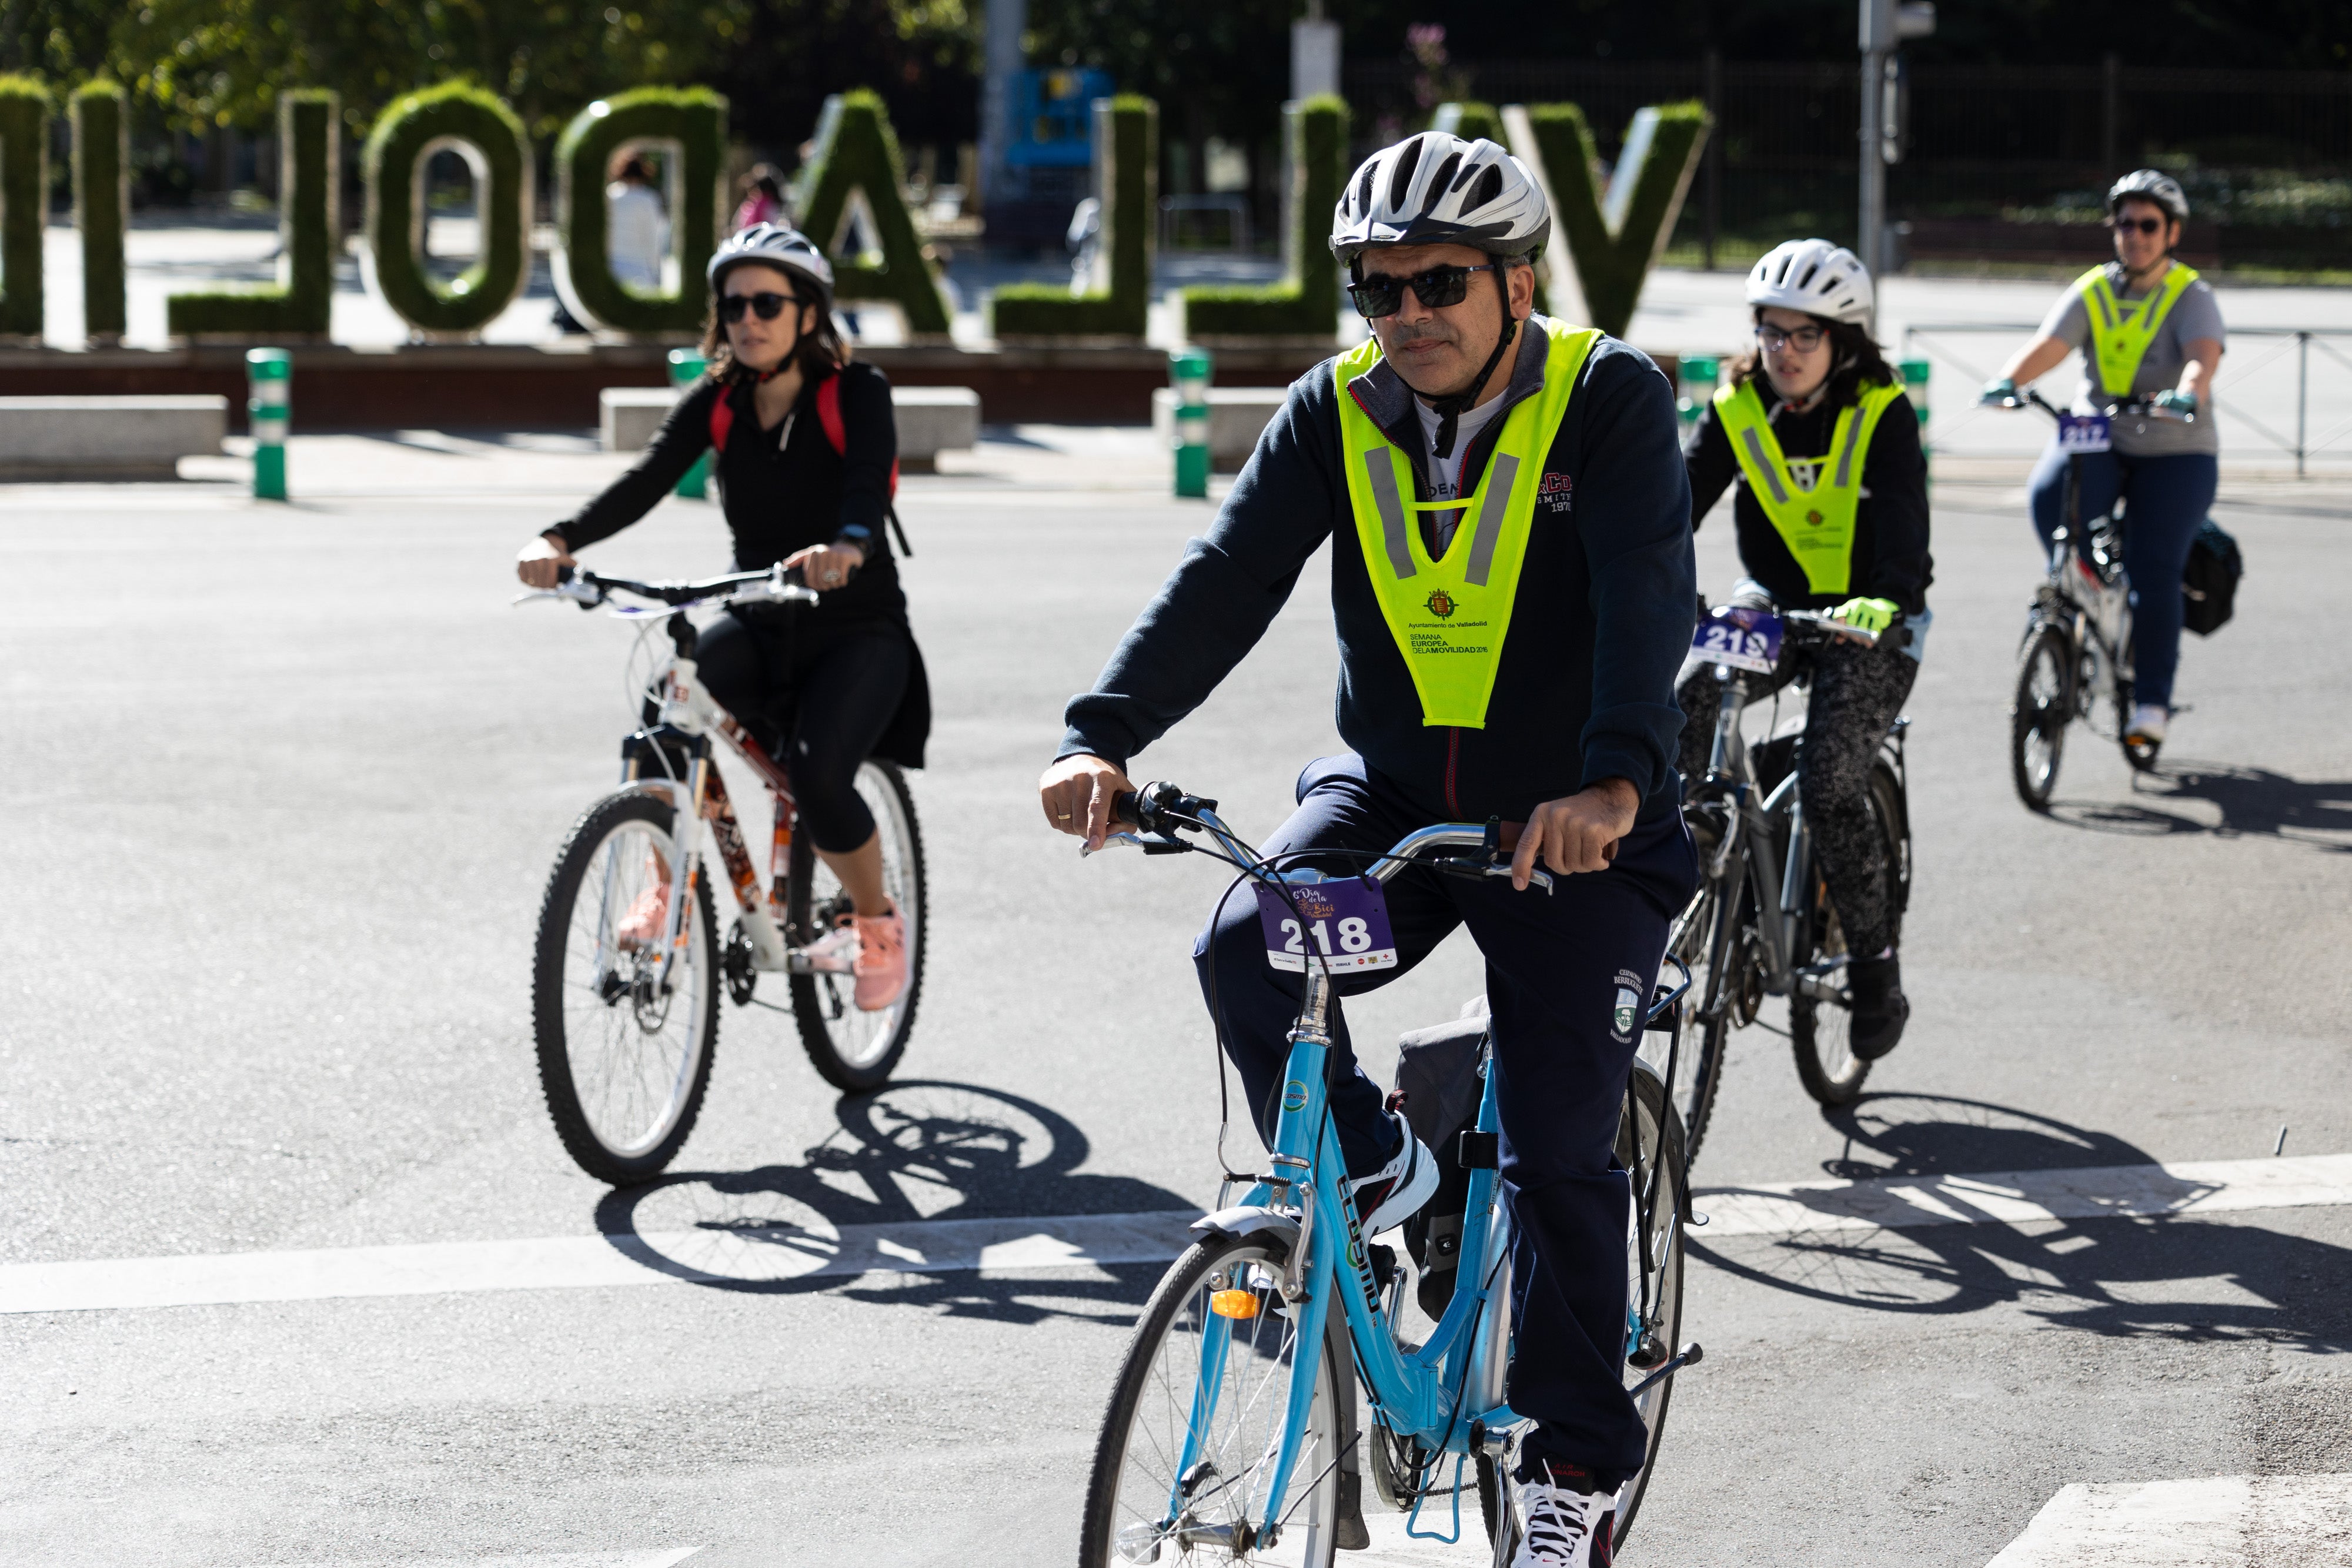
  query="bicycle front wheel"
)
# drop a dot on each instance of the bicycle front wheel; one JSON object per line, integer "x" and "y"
{"x": 854, "y": 1050}
{"x": 2038, "y": 715}
{"x": 1702, "y": 940}
{"x": 1182, "y": 1470}
{"x": 625, "y": 1049}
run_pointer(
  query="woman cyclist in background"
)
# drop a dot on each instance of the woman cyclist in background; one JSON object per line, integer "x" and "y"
{"x": 1831, "y": 515}
{"x": 2148, "y": 327}
{"x": 822, "y": 687}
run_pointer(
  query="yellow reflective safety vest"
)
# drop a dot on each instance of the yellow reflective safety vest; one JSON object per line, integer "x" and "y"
{"x": 1815, "y": 518}
{"x": 2122, "y": 329}
{"x": 1449, "y": 616}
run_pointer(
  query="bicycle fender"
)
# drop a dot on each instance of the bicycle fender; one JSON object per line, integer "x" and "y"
{"x": 1246, "y": 1220}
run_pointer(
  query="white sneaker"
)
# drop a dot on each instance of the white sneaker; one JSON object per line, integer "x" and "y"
{"x": 1390, "y": 1194}
{"x": 2147, "y": 722}
{"x": 1563, "y": 1528}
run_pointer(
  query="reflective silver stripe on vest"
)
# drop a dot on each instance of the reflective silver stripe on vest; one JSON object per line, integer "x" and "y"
{"x": 1846, "y": 453}
{"x": 2097, "y": 295}
{"x": 1501, "y": 471}
{"x": 1381, "y": 473}
{"x": 1764, "y": 465}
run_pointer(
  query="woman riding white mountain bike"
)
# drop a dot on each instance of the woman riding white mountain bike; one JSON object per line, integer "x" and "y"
{"x": 2149, "y": 328}
{"x": 807, "y": 456}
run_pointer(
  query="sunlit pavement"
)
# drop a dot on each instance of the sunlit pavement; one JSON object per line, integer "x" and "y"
{"x": 290, "y": 781}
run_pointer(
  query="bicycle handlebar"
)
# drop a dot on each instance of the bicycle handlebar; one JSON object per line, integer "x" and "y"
{"x": 589, "y": 590}
{"x": 2135, "y": 406}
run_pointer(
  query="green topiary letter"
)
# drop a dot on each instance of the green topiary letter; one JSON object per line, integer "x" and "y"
{"x": 695, "y": 118}
{"x": 479, "y": 125}
{"x": 309, "y": 142}
{"x": 1126, "y": 174}
{"x": 1305, "y": 304}
{"x": 854, "y": 172}
{"x": 1603, "y": 248}
{"x": 1469, "y": 119}
{"x": 101, "y": 199}
{"x": 24, "y": 203}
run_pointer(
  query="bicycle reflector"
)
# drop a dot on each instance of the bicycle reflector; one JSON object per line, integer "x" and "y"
{"x": 1234, "y": 1303}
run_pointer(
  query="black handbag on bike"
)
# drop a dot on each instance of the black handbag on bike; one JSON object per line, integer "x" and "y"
{"x": 2208, "y": 583}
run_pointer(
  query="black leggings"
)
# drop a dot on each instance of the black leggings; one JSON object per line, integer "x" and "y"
{"x": 1857, "y": 693}
{"x": 819, "y": 697}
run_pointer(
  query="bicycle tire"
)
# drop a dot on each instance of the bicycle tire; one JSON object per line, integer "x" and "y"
{"x": 853, "y": 1050}
{"x": 1649, "y": 1139}
{"x": 1820, "y": 1033}
{"x": 671, "y": 1079}
{"x": 2039, "y": 711}
{"x": 1702, "y": 940}
{"x": 1127, "y": 1497}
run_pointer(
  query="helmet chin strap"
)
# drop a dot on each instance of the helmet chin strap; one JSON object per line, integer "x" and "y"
{"x": 1450, "y": 410}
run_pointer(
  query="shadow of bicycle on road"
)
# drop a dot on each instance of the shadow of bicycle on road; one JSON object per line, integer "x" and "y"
{"x": 2253, "y": 803}
{"x": 2209, "y": 1277}
{"x": 904, "y": 1156}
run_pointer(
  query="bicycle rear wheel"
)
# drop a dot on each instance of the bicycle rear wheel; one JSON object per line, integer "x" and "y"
{"x": 853, "y": 1050}
{"x": 1222, "y": 1382}
{"x": 1821, "y": 1030}
{"x": 2039, "y": 713}
{"x": 623, "y": 1058}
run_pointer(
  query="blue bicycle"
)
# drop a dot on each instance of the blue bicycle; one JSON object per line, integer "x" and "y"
{"x": 1230, "y": 1435}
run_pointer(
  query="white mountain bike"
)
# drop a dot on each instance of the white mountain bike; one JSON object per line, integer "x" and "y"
{"x": 626, "y": 979}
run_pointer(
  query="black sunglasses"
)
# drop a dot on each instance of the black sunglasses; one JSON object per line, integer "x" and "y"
{"x": 2145, "y": 226}
{"x": 767, "y": 307}
{"x": 1439, "y": 287}
{"x": 1774, "y": 339}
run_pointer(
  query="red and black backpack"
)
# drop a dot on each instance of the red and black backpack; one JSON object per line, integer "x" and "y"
{"x": 837, "y": 436}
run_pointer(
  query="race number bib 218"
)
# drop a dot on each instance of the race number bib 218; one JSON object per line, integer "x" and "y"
{"x": 1346, "y": 922}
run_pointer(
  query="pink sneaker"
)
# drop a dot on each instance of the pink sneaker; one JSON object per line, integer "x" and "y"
{"x": 647, "y": 918}
{"x": 881, "y": 959}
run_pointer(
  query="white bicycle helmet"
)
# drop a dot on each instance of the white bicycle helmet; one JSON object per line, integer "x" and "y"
{"x": 2149, "y": 185}
{"x": 1816, "y": 278}
{"x": 772, "y": 245}
{"x": 1437, "y": 189}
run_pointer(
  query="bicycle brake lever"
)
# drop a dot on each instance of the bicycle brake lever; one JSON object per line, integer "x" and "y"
{"x": 1114, "y": 841}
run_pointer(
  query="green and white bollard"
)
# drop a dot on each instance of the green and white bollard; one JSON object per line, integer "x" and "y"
{"x": 1915, "y": 385}
{"x": 686, "y": 366}
{"x": 1188, "y": 368}
{"x": 268, "y": 380}
{"x": 1694, "y": 375}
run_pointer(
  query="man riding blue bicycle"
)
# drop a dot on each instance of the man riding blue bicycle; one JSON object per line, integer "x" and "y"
{"x": 1512, "y": 579}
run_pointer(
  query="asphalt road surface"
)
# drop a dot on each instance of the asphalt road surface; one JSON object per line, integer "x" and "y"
{"x": 288, "y": 782}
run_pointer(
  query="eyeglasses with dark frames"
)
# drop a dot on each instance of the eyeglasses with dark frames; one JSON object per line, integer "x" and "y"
{"x": 1376, "y": 297}
{"x": 1806, "y": 339}
{"x": 767, "y": 307}
{"x": 2145, "y": 226}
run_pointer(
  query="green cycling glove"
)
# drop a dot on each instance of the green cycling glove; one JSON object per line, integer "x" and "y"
{"x": 2001, "y": 390}
{"x": 1868, "y": 614}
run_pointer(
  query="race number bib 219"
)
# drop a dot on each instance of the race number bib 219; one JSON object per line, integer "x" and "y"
{"x": 1737, "y": 635}
{"x": 1346, "y": 922}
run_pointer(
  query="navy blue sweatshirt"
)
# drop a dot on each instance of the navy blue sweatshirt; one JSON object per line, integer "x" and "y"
{"x": 1585, "y": 689}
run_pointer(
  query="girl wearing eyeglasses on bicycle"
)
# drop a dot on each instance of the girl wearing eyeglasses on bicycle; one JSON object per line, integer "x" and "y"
{"x": 2148, "y": 327}
{"x": 806, "y": 459}
{"x": 1832, "y": 516}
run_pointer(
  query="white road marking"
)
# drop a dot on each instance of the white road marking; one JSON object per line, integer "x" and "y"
{"x": 770, "y": 1253}
{"x": 663, "y": 1557}
{"x": 765, "y": 1254}
{"x": 2215, "y": 1522}
{"x": 2013, "y": 1198}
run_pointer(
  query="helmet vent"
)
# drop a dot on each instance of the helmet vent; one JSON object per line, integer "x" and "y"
{"x": 1448, "y": 173}
{"x": 1490, "y": 186}
{"x": 1364, "y": 188}
{"x": 1400, "y": 183}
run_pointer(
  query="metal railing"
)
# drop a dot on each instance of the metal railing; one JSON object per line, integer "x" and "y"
{"x": 2301, "y": 339}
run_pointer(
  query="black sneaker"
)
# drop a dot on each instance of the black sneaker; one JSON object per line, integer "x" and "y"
{"x": 1880, "y": 1009}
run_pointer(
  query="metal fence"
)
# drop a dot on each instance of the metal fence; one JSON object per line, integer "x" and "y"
{"x": 2001, "y": 161}
{"x": 2231, "y": 388}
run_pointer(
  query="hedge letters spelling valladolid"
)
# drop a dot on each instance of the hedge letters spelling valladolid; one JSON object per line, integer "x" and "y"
{"x": 694, "y": 121}
{"x": 1604, "y": 245}
{"x": 1127, "y": 173}
{"x": 851, "y": 180}
{"x": 101, "y": 205}
{"x": 24, "y": 189}
{"x": 310, "y": 144}
{"x": 479, "y": 126}
{"x": 1306, "y": 303}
